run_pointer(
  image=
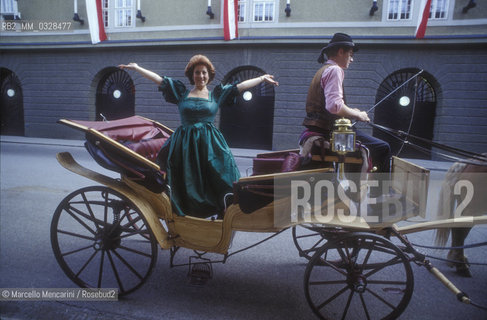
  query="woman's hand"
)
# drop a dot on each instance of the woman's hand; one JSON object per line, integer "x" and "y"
{"x": 247, "y": 84}
{"x": 130, "y": 66}
{"x": 269, "y": 79}
{"x": 144, "y": 72}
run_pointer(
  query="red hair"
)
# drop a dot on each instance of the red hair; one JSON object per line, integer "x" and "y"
{"x": 199, "y": 60}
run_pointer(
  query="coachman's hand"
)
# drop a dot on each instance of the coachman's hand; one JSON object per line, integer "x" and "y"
{"x": 362, "y": 116}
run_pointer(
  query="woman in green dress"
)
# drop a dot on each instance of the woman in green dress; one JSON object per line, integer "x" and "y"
{"x": 200, "y": 166}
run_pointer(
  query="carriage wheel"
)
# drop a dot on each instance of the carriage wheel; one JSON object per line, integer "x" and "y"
{"x": 359, "y": 275}
{"x": 307, "y": 238}
{"x": 100, "y": 240}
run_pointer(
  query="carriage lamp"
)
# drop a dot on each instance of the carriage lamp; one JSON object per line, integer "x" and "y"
{"x": 343, "y": 137}
{"x": 342, "y": 141}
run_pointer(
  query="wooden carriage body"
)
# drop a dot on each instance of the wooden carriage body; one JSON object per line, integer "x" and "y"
{"x": 214, "y": 235}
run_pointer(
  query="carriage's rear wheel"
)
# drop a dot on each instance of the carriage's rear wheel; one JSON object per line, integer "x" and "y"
{"x": 100, "y": 240}
{"x": 359, "y": 276}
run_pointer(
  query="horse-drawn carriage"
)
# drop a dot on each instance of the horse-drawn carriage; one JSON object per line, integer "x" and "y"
{"x": 109, "y": 235}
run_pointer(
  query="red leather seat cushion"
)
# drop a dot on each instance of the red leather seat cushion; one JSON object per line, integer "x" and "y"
{"x": 149, "y": 148}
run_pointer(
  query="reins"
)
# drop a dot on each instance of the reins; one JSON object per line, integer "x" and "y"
{"x": 474, "y": 158}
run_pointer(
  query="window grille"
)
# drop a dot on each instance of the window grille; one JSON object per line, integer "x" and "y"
{"x": 9, "y": 9}
{"x": 118, "y": 13}
{"x": 256, "y": 11}
{"x": 105, "y": 12}
{"x": 242, "y": 9}
{"x": 399, "y": 10}
{"x": 439, "y": 9}
{"x": 264, "y": 11}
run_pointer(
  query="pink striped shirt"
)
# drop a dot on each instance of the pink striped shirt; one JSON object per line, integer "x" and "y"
{"x": 332, "y": 84}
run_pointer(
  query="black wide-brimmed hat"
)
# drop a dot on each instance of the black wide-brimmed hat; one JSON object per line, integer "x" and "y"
{"x": 338, "y": 40}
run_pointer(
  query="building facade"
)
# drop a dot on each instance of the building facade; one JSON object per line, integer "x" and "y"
{"x": 50, "y": 69}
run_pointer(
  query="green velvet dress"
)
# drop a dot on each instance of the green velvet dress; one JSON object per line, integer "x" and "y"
{"x": 200, "y": 166}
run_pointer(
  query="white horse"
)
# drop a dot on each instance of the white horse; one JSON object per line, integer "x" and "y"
{"x": 463, "y": 192}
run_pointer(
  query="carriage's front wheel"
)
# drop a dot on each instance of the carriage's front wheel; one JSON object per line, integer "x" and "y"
{"x": 100, "y": 240}
{"x": 358, "y": 276}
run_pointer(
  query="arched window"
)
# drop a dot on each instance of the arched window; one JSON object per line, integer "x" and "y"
{"x": 115, "y": 95}
{"x": 249, "y": 123}
{"x": 411, "y": 109}
{"x": 12, "y": 104}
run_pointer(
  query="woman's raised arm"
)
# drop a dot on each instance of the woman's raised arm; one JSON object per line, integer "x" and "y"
{"x": 144, "y": 72}
{"x": 247, "y": 84}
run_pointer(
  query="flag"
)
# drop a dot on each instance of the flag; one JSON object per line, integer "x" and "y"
{"x": 230, "y": 21}
{"x": 95, "y": 21}
{"x": 423, "y": 18}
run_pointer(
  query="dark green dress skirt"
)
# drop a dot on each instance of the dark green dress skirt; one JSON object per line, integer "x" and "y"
{"x": 199, "y": 164}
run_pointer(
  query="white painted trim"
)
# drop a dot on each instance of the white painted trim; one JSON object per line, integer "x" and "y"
{"x": 284, "y": 25}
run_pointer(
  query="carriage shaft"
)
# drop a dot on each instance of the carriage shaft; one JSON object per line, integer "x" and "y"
{"x": 461, "y": 296}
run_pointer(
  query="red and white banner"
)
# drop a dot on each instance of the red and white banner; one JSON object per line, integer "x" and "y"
{"x": 230, "y": 20}
{"x": 95, "y": 21}
{"x": 423, "y": 17}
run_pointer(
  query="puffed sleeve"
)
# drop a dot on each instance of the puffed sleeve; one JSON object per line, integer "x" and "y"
{"x": 226, "y": 95}
{"x": 172, "y": 90}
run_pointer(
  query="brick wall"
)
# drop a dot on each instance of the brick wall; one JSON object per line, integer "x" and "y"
{"x": 62, "y": 83}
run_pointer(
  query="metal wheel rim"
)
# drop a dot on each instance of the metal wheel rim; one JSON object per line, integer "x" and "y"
{"x": 94, "y": 249}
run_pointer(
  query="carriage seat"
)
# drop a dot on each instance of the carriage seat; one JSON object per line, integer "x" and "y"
{"x": 129, "y": 146}
{"x": 314, "y": 153}
{"x": 275, "y": 162}
{"x": 147, "y": 148}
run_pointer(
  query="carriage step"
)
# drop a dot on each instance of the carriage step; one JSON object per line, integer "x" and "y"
{"x": 199, "y": 272}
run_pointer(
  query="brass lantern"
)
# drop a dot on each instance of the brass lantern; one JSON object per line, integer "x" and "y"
{"x": 343, "y": 137}
{"x": 342, "y": 141}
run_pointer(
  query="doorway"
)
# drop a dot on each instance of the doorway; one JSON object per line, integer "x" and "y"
{"x": 249, "y": 123}
{"x": 411, "y": 109}
{"x": 115, "y": 95}
{"x": 12, "y": 104}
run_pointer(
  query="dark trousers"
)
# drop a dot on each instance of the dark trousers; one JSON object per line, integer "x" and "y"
{"x": 380, "y": 151}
